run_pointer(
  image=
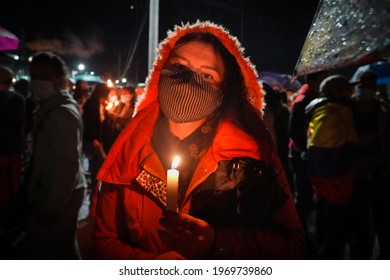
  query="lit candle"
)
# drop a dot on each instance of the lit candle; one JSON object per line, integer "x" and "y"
{"x": 172, "y": 185}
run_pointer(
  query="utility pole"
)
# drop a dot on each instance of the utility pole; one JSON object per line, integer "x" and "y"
{"x": 153, "y": 31}
{"x": 118, "y": 74}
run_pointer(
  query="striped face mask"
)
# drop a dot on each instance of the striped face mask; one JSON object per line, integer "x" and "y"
{"x": 185, "y": 96}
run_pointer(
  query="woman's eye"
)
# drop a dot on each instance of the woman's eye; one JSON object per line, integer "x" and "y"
{"x": 207, "y": 76}
{"x": 178, "y": 66}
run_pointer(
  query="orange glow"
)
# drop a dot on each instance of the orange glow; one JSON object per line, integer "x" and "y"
{"x": 109, "y": 106}
{"x": 110, "y": 83}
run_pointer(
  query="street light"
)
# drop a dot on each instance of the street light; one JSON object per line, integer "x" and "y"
{"x": 81, "y": 67}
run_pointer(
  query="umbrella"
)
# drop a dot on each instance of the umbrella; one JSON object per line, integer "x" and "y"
{"x": 284, "y": 80}
{"x": 8, "y": 41}
{"x": 88, "y": 78}
{"x": 381, "y": 69}
{"x": 345, "y": 33}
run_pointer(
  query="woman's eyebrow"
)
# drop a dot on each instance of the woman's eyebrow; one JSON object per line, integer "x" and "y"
{"x": 175, "y": 55}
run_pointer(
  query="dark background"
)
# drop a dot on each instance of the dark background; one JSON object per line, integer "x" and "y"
{"x": 101, "y": 34}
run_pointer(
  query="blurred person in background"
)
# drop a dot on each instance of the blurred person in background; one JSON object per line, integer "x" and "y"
{"x": 298, "y": 125}
{"x": 94, "y": 111}
{"x": 109, "y": 125}
{"x": 125, "y": 108}
{"x": 23, "y": 86}
{"x": 80, "y": 93}
{"x": 20, "y": 208}
{"x": 331, "y": 165}
{"x": 120, "y": 109}
{"x": 57, "y": 185}
{"x": 11, "y": 142}
{"x": 139, "y": 92}
{"x": 290, "y": 97}
{"x": 276, "y": 118}
{"x": 372, "y": 150}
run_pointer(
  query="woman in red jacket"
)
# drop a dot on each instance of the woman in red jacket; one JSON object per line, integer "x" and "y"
{"x": 203, "y": 103}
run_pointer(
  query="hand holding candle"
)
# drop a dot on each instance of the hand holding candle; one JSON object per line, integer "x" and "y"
{"x": 173, "y": 185}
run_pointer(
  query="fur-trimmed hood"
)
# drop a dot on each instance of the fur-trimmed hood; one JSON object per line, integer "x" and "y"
{"x": 140, "y": 129}
{"x": 254, "y": 92}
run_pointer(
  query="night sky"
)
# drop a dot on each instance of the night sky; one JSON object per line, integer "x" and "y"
{"x": 101, "y": 34}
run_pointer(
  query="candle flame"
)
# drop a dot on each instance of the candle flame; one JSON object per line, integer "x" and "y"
{"x": 175, "y": 162}
{"x": 109, "y": 106}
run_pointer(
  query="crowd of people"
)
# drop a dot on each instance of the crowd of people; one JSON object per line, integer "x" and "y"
{"x": 264, "y": 174}
{"x": 55, "y": 135}
{"x": 338, "y": 151}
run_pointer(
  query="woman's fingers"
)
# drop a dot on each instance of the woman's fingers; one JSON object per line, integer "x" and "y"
{"x": 188, "y": 235}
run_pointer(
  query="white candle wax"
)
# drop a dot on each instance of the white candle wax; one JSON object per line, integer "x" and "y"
{"x": 172, "y": 186}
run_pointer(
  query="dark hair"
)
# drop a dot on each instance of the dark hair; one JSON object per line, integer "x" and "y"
{"x": 100, "y": 91}
{"x": 59, "y": 65}
{"x": 272, "y": 97}
{"x": 368, "y": 76}
{"x": 81, "y": 87}
{"x": 333, "y": 88}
